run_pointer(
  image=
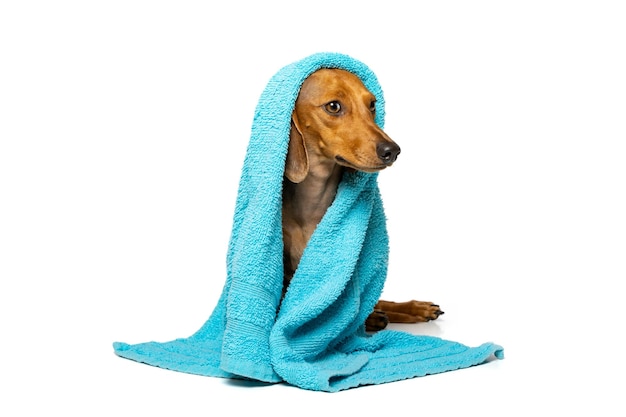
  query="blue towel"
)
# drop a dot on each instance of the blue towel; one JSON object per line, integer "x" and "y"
{"x": 315, "y": 339}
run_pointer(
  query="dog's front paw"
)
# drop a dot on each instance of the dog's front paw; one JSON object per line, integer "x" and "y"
{"x": 425, "y": 310}
{"x": 376, "y": 321}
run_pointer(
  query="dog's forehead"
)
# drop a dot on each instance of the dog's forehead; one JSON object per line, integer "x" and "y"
{"x": 331, "y": 84}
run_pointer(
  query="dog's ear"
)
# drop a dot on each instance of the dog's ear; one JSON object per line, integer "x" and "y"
{"x": 297, "y": 164}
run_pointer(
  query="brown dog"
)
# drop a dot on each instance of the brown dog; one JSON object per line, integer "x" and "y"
{"x": 333, "y": 129}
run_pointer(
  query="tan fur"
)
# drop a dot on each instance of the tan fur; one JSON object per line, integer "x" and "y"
{"x": 333, "y": 129}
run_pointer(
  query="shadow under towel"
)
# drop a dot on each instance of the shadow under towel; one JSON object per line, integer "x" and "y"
{"x": 315, "y": 338}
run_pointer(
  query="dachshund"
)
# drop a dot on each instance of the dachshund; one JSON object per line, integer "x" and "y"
{"x": 333, "y": 130}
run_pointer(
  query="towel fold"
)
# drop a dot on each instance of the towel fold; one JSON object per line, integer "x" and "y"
{"x": 315, "y": 337}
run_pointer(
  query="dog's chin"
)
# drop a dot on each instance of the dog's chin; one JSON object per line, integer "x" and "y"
{"x": 357, "y": 167}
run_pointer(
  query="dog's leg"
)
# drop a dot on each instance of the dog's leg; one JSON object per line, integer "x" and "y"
{"x": 406, "y": 312}
{"x": 409, "y": 311}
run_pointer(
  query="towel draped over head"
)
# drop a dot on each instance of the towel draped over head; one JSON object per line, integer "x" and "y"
{"x": 315, "y": 337}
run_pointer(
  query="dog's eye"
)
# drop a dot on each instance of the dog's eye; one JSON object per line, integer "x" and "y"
{"x": 333, "y": 107}
{"x": 373, "y": 106}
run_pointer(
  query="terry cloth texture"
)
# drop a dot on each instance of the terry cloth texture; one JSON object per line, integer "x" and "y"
{"x": 315, "y": 338}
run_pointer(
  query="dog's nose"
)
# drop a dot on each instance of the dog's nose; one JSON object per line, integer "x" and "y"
{"x": 388, "y": 152}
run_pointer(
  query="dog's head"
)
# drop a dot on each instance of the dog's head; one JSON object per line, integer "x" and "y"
{"x": 333, "y": 123}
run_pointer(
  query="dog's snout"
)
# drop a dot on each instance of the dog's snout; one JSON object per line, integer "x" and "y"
{"x": 388, "y": 152}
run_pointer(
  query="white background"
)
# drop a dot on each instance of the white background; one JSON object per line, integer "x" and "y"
{"x": 123, "y": 127}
